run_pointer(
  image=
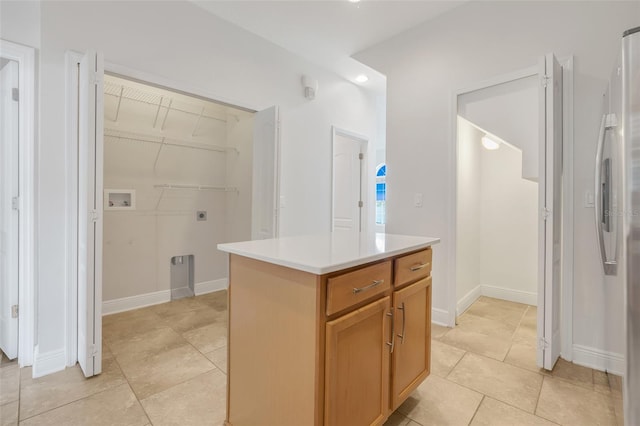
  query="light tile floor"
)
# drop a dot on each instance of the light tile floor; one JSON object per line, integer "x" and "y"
{"x": 166, "y": 365}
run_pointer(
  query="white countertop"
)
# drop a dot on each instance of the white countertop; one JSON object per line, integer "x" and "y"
{"x": 330, "y": 252}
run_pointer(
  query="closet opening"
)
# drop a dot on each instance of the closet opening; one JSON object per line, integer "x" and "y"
{"x": 497, "y": 235}
{"x": 178, "y": 174}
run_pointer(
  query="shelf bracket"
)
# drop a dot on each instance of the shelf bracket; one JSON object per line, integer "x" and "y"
{"x": 166, "y": 114}
{"x": 115, "y": 120}
{"x": 160, "y": 198}
{"x": 155, "y": 163}
{"x": 197, "y": 122}
{"x": 155, "y": 122}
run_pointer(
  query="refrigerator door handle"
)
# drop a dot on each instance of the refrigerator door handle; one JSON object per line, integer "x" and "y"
{"x": 610, "y": 266}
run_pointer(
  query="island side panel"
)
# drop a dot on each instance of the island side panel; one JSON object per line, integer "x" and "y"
{"x": 273, "y": 344}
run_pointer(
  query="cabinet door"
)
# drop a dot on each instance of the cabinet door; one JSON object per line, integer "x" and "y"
{"x": 357, "y": 366}
{"x": 411, "y": 359}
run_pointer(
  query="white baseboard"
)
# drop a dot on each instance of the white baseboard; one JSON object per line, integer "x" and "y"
{"x": 468, "y": 299}
{"x": 440, "y": 317}
{"x": 518, "y": 296}
{"x": 141, "y": 300}
{"x": 598, "y": 359}
{"x": 134, "y": 302}
{"x": 211, "y": 286}
{"x": 48, "y": 362}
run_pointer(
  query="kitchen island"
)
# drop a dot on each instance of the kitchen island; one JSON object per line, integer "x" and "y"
{"x": 330, "y": 329}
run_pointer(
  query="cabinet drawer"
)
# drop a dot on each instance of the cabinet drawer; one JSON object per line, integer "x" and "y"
{"x": 412, "y": 267}
{"x": 356, "y": 286}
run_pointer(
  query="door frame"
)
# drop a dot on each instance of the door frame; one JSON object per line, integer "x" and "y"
{"x": 567, "y": 198}
{"x": 25, "y": 57}
{"x": 366, "y": 187}
{"x": 72, "y": 60}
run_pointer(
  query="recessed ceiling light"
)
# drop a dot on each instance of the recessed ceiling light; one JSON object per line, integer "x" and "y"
{"x": 489, "y": 144}
{"x": 362, "y": 78}
{"x": 354, "y": 1}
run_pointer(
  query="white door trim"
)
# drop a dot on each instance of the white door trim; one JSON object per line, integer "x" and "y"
{"x": 72, "y": 61}
{"x": 25, "y": 56}
{"x": 567, "y": 221}
{"x": 365, "y": 219}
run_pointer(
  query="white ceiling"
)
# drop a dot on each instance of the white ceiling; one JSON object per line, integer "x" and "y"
{"x": 329, "y": 32}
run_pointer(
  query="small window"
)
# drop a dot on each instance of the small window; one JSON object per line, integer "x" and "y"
{"x": 381, "y": 193}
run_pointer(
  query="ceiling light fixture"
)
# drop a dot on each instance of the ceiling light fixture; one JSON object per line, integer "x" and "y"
{"x": 489, "y": 144}
{"x": 362, "y": 78}
{"x": 354, "y": 1}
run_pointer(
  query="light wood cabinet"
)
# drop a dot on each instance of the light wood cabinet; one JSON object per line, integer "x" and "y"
{"x": 345, "y": 348}
{"x": 412, "y": 352}
{"x": 357, "y": 366}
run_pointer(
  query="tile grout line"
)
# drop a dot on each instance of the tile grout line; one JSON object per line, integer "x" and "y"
{"x": 477, "y": 408}
{"x": 455, "y": 365}
{"x": 115, "y": 359}
{"x": 538, "y": 402}
{"x": 76, "y": 400}
{"x": 19, "y": 393}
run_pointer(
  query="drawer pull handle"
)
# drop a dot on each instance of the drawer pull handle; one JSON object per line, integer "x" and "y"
{"x": 372, "y": 285}
{"x": 418, "y": 267}
{"x": 392, "y": 343}
{"x": 404, "y": 322}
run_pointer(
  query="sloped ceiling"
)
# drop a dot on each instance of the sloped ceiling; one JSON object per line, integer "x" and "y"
{"x": 328, "y": 33}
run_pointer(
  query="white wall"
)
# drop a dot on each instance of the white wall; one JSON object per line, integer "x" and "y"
{"x": 509, "y": 111}
{"x": 497, "y": 223}
{"x": 469, "y": 196}
{"x": 509, "y": 226}
{"x": 179, "y": 42}
{"x": 20, "y": 22}
{"x": 472, "y": 43}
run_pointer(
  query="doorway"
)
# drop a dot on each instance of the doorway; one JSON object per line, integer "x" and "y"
{"x": 177, "y": 180}
{"x": 16, "y": 202}
{"x": 349, "y": 208}
{"x": 518, "y": 117}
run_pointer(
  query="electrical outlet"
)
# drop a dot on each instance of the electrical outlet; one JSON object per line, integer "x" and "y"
{"x": 201, "y": 215}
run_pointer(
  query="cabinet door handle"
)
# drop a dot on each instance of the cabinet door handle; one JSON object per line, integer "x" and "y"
{"x": 372, "y": 285}
{"x": 404, "y": 322}
{"x": 392, "y": 343}
{"x": 418, "y": 267}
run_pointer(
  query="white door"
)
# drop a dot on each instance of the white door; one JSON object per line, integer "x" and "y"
{"x": 90, "y": 188}
{"x": 349, "y": 173}
{"x": 265, "y": 186}
{"x": 550, "y": 202}
{"x": 9, "y": 214}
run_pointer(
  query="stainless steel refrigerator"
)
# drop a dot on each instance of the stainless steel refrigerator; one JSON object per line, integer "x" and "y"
{"x": 617, "y": 190}
{"x": 630, "y": 136}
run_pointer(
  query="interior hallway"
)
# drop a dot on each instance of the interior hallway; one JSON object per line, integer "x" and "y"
{"x": 166, "y": 365}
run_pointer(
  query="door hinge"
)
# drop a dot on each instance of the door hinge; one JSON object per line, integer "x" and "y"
{"x": 15, "y": 94}
{"x": 15, "y": 203}
{"x": 92, "y": 350}
{"x": 14, "y": 311}
{"x": 361, "y": 156}
{"x": 95, "y": 78}
{"x": 543, "y": 343}
{"x": 544, "y": 80}
{"x": 545, "y": 213}
{"x": 360, "y": 204}
{"x": 93, "y": 216}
